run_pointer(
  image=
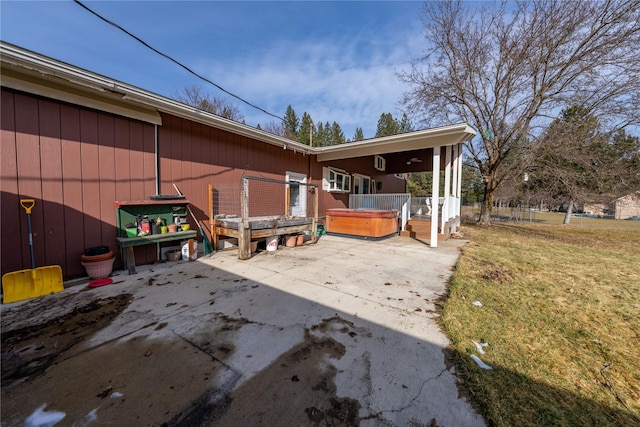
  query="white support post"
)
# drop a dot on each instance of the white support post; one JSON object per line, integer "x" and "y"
{"x": 456, "y": 177}
{"x": 405, "y": 214}
{"x": 460, "y": 147}
{"x": 435, "y": 195}
{"x": 446, "y": 206}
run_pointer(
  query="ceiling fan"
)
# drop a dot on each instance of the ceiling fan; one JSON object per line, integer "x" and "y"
{"x": 414, "y": 160}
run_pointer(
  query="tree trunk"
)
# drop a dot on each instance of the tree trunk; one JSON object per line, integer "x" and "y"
{"x": 487, "y": 206}
{"x": 567, "y": 216}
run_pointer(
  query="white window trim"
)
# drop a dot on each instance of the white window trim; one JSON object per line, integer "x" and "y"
{"x": 332, "y": 185}
{"x": 379, "y": 163}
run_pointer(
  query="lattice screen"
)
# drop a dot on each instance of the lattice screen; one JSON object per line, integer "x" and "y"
{"x": 266, "y": 197}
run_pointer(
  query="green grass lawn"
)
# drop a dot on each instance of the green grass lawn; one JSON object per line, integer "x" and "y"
{"x": 561, "y": 315}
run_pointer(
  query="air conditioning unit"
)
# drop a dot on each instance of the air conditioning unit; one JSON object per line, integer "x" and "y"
{"x": 379, "y": 163}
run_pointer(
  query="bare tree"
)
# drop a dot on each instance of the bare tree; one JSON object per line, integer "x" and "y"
{"x": 194, "y": 96}
{"x": 507, "y": 68}
{"x": 275, "y": 128}
{"x": 575, "y": 163}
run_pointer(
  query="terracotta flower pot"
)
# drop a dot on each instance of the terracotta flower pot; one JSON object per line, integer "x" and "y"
{"x": 172, "y": 228}
{"x": 99, "y": 269}
{"x": 96, "y": 258}
{"x": 291, "y": 241}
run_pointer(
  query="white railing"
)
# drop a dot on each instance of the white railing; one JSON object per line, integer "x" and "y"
{"x": 447, "y": 206}
{"x": 406, "y": 205}
{"x": 385, "y": 202}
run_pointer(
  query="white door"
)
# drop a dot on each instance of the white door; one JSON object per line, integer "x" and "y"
{"x": 361, "y": 184}
{"x": 297, "y": 194}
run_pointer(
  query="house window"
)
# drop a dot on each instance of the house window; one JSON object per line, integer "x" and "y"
{"x": 379, "y": 163}
{"x": 399, "y": 175}
{"x": 336, "y": 180}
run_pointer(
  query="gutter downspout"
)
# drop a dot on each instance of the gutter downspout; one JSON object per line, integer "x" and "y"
{"x": 156, "y": 158}
{"x": 157, "y": 166}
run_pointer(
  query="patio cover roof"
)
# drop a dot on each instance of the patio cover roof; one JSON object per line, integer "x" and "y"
{"x": 429, "y": 138}
{"x": 35, "y": 73}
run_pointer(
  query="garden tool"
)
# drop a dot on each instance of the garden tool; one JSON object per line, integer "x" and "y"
{"x": 33, "y": 282}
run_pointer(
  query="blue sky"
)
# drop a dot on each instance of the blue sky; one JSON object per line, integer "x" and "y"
{"x": 335, "y": 60}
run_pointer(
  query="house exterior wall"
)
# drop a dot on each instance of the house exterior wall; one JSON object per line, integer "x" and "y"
{"x": 628, "y": 206}
{"x": 75, "y": 163}
{"x": 364, "y": 166}
{"x": 194, "y": 155}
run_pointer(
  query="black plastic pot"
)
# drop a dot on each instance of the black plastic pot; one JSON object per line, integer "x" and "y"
{"x": 96, "y": 250}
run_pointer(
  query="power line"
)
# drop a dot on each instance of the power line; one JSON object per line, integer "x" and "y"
{"x": 138, "y": 39}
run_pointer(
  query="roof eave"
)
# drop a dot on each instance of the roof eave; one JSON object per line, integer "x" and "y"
{"x": 429, "y": 138}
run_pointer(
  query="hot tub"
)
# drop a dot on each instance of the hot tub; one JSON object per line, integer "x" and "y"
{"x": 362, "y": 222}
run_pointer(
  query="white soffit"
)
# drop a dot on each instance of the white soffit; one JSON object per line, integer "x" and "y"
{"x": 429, "y": 138}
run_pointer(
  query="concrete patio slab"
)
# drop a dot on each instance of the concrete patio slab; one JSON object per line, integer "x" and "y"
{"x": 343, "y": 332}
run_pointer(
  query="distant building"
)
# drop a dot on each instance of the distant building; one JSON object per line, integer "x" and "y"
{"x": 627, "y": 206}
{"x": 624, "y": 207}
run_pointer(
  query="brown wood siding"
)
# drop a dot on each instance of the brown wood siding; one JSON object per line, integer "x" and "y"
{"x": 11, "y": 216}
{"x": 75, "y": 163}
{"x": 211, "y": 156}
{"x": 51, "y": 153}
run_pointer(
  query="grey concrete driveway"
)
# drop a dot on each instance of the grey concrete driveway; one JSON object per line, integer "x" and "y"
{"x": 338, "y": 333}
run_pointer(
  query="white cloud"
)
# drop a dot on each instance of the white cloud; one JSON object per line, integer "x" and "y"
{"x": 343, "y": 79}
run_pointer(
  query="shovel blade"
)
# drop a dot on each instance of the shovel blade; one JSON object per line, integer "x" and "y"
{"x": 31, "y": 283}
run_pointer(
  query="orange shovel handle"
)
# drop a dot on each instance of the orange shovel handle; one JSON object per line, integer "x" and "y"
{"x": 27, "y": 204}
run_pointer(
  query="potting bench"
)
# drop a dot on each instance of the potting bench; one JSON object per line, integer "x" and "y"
{"x": 126, "y": 213}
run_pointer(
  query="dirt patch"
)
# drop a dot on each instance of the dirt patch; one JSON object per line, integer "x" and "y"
{"x": 31, "y": 350}
{"x": 133, "y": 382}
{"x": 498, "y": 275}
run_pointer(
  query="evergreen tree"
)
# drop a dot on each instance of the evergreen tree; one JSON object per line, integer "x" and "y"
{"x": 290, "y": 124}
{"x": 387, "y": 125}
{"x": 326, "y": 137}
{"x": 319, "y": 139}
{"x": 337, "y": 136}
{"x": 322, "y": 135}
{"x": 303, "y": 130}
{"x": 472, "y": 185}
{"x": 358, "y": 135}
{"x": 405, "y": 125}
